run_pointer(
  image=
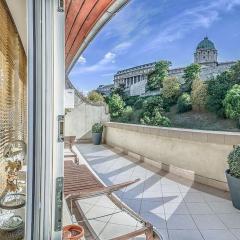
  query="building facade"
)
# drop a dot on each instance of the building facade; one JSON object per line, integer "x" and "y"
{"x": 135, "y": 79}
{"x": 105, "y": 89}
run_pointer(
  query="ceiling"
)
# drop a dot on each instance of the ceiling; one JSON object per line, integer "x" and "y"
{"x": 84, "y": 18}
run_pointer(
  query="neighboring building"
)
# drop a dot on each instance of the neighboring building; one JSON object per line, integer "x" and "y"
{"x": 105, "y": 89}
{"x": 135, "y": 79}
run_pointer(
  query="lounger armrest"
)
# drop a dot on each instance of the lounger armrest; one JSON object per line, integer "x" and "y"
{"x": 104, "y": 190}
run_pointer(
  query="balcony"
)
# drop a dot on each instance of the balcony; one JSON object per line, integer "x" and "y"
{"x": 181, "y": 199}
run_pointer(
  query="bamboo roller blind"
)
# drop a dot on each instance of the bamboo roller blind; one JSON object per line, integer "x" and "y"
{"x": 13, "y": 91}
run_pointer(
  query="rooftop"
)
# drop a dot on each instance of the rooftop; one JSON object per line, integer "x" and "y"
{"x": 206, "y": 44}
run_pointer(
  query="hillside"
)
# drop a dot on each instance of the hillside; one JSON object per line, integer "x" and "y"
{"x": 201, "y": 120}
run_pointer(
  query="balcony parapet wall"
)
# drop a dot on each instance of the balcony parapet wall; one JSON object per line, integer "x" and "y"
{"x": 195, "y": 154}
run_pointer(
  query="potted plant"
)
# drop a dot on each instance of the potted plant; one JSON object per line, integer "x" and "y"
{"x": 233, "y": 175}
{"x": 73, "y": 232}
{"x": 97, "y": 130}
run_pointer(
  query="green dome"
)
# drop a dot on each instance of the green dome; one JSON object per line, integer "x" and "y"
{"x": 206, "y": 44}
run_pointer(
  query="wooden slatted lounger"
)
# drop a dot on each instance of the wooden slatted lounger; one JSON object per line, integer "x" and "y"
{"x": 82, "y": 188}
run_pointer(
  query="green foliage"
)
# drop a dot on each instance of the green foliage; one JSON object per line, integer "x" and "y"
{"x": 156, "y": 77}
{"x": 106, "y": 99}
{"x": 235, "y": 73}
{"x": 116, "y": 106}
{"x": 234, "y": 162}
{"x": 95, "y": 97}
{"x": 130, "y": 101}
{"x": 191, "y": 73}
{"x": 153, "y": 112}
{"x": 126, "y": 115}
{"x": 155, "y": 118}
{"x": 199, "y": 95}
{"x": 171, "y": 89}
{"x": 184, "y": 103}
{"x": 217, "y": 89}
{"x": 232, "y": 102}
{"x": 97, "y": 128}
{"x": 119, "y": 90}
{"x": 154, "y": 102}
{"x": 138, "y": 104}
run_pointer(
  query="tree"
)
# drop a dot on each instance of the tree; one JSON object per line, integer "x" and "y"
{"x": 232, "y": 102}
{"x": 216, "y": 89}
{"x": 171, "y": 89}
{"x": 156, "y": 77}
{"x": 235, "y": 73}
{"x": 191, "y": 73}
{"x": 116, "y": 106}
{"x": 153, "y": 112}
{"x": 119, "y": 90}
{"x": 95, "y": 97}
{"x": 184, "y": 103}
{"x": 126, "y": 114}
{"x": 199, "y": 95}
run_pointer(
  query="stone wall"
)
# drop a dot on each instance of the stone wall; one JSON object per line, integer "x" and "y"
{"x": 198, "y": 155}
{"x": 79, "y": 120}
{"x": 138, "y": 88}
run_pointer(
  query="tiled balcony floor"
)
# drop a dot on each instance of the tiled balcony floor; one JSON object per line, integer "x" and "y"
{"x": 179, "y": 209}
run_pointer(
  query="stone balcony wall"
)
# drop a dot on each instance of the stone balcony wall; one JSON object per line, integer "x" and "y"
{"x": 194, "y": 154}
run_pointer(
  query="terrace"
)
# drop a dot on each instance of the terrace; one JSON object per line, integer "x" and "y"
{"x": 172, "y": 198}
{"x": 182, "y": 191}
{"x": 179, "y": 208}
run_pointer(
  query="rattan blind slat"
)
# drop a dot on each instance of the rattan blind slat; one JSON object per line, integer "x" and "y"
{"x": 13, "y": 91}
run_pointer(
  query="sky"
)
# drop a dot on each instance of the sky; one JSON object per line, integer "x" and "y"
{"x": 151, "y": 30}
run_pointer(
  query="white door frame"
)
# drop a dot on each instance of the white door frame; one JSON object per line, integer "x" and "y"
{"x": 46, "y": 83}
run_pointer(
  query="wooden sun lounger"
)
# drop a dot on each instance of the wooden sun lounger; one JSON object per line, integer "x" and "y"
{"x": 80, "y": 182}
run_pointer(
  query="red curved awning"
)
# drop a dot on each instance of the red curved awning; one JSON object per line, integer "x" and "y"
{"x": 84, "y": 18}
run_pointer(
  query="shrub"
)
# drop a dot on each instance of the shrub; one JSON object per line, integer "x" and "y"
{"x": 232, "y": 102}
{"x": 139, "y": 103}
{"x": 116, "y": 106}
{"x": 95, "y": 97}
{"x": 199, "y": 95}
{"x": 126, "y": 115}
{"x": 97, "y": 128}
{"x": 234, "y": 162}
{"x": 155, "y": 118}
{"x": 130, "y": 101}
{"x": 153, "y": 112}
{"x": 156, "y": 77}
{"x": 191, "y": 73}
{"x": 171, "y": 89}
{"x": 184, "y": 103}
{"x": 153, "y": 102}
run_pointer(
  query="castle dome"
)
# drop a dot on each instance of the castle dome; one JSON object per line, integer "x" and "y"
{"x": 206, "y": 44}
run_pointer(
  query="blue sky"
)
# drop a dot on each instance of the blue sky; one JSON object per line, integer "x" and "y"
{"x": 151, "y": 30}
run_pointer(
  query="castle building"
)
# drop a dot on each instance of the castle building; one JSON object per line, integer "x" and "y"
{"x": 105, "y": 89}
{"x": 135, "y": 79}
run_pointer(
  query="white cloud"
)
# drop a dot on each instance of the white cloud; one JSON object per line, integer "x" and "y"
{"x": 121, "y": 47}
{"x": 106, "y": 63}
{"x": 201, "y": 16}
{"x": 82, "y": 59}
{"x": 132, "y": 22}
{"x": 108, "y": 58}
